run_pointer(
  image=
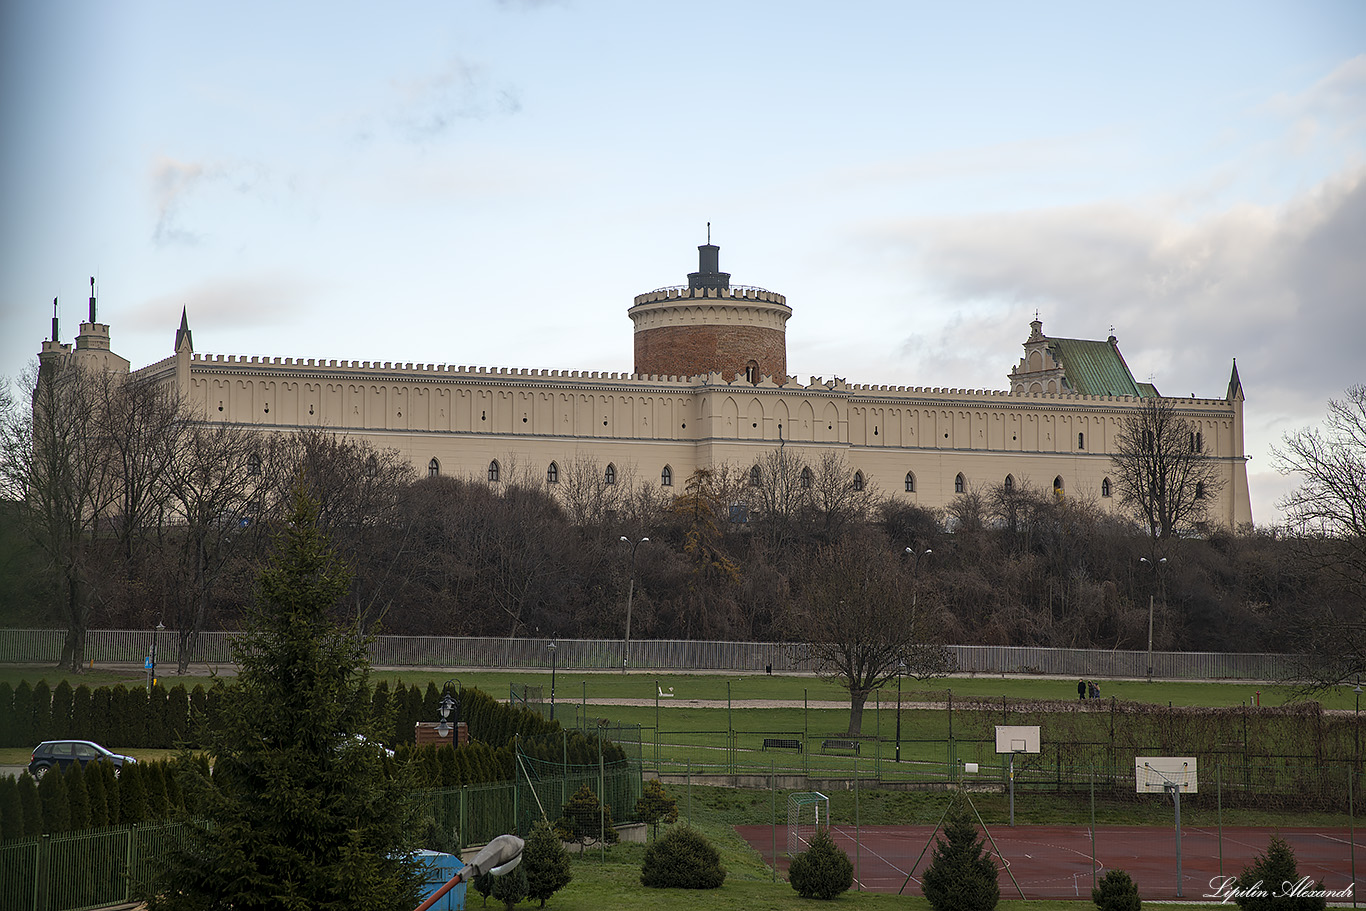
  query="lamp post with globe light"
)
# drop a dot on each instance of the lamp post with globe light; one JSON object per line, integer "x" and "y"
{"x": 900, "y": 669}
{"x": 630, "y": 592}
{"x": 1155, "y": 567}
{"x": 551, "y": 648}
{"x": 152, "y": 657}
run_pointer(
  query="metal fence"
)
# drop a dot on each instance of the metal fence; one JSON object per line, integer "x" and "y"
{"x": 99, "y": 867}
{"x": 86, "y": 869}
{"x": 44, "y": 646}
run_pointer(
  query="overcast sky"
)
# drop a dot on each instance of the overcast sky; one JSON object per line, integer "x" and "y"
{"x": 490, "y": 183}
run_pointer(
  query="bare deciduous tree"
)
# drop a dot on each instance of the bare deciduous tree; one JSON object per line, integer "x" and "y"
{"x": 1329, "y": 509}
{"x": 1164, "y": 475}
{"x": 861, "y": 618}
{"x": 214, "y": 486}
{"x": 53, "y": 463}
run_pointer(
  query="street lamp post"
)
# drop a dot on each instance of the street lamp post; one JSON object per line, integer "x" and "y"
{"x": 900, "y": 669}
{"x": 1356, "y": 726}
{"x": 630, "y": 592}
{"x": 1155, "y": 567}
{"x": 915, "y": 589}
{"x": 551, "y": 649}
{"x": 152, "y": 658}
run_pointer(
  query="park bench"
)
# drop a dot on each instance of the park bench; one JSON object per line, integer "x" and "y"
{"x": 782, "y": 743}
{"x": 828, "y": 745}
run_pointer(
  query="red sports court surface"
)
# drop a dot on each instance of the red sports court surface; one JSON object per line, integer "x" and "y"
{"x": 1055, "y": 861}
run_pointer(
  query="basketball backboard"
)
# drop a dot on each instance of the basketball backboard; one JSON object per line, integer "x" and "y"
{"x": 1154, "y": 774}
{"x": 1017, "y": 738}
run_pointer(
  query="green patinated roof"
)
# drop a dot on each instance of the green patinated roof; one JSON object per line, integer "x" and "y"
{"x": 1096, "y": 368}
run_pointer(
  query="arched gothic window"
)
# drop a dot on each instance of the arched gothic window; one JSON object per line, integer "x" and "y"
{"x": 1081, "y": 441}
{"x": 254, "y": 464}
{"x": 858, "y": 480}
{"x": 756, "y": 477}
{"x": 493, "y": 470}
{"x": 808, "y": 479}
{"x": 1057, "y": 487}
{"x": 552, "y": 474}
{"x": 960, "y": 484}
{"x": 1105, "y": 487}
{"x": 752, "y": 373}
{"x": 910, "y": 482}
{"x": 1010, "y": 483}
{"x": 1199, "y": 490}
{"x": 433, "y": 468}
{"x": 666, "y": 477}
{"x": 610, "y": 475}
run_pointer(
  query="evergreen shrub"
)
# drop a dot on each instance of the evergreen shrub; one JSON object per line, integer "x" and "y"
{"x": 546, "y": 862}
{"x": 1116, "y": 892}
{"x": 511, "y": 887}
{"x": 961, "y": 875}
{"x": 1265, "y": 881}
{"x": 682, "y": 859}
{"x": 823, "y": 870}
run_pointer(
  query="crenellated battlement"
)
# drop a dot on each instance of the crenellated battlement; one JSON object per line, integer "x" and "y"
{"x": 399, "y": 371}
{"x": 736, "y": 292}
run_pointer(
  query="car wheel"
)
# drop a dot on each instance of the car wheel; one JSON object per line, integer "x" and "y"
{"x": 41, "y": 769}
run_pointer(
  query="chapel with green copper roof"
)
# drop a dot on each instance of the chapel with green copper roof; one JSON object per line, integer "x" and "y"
{"x": 1074, "y": 366}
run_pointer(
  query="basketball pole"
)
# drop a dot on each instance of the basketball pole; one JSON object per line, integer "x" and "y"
{"x": 1175, "y": 788}
{"x": 1012, "y": 788}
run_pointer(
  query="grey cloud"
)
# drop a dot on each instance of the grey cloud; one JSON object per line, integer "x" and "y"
{"x": 1279, "y": 288}
{"x": 174, "y": 183}
{"x": 251, "y": 301}
{"x": 1337, "y": 101}
{"x": 427, "y": 108}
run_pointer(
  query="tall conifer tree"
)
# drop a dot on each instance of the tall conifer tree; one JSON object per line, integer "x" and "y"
{"x": 298, "y": 811}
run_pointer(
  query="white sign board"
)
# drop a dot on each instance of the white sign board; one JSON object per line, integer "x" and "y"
{"x": 1017, "y": 738}
{"x": 1156, "y": 774}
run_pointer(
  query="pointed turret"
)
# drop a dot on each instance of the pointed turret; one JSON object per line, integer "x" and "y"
{"x": 182, "y": 335}
{"x": 1235, "y": 385}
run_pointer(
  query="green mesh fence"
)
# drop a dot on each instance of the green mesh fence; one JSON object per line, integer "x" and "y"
{"x": 82, "y": 869}
{"x": 474, "y": 814}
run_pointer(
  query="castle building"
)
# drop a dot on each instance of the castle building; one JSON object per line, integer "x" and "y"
{"x": 710, "y": 387}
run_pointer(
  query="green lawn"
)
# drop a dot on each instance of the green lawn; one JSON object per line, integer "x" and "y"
{"x": 577, "y": 686}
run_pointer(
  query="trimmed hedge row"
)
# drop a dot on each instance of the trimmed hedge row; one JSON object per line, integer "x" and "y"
{"x": 87, "y": 798}
{"x": 120, "y": 718}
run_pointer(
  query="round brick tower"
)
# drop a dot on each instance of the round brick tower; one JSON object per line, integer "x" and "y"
{"x": 710, "y": 326}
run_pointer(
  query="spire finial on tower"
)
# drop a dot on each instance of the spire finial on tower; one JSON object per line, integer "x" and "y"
{"x": 708, "y": 232}
{"x": 92, "y": 299}
{"x": 54, "y": 321}
{"x": 183, "y": 335}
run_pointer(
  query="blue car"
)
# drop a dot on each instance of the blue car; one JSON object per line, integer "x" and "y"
{"x": 62, "y": 753}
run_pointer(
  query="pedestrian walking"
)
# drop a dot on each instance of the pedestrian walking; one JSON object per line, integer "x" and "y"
{"x": 1081, "y": 689}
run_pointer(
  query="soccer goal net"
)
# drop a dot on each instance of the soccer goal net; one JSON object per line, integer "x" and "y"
{"x": 805, "y": 811}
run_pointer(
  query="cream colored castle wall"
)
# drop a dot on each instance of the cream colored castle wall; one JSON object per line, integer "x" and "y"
{"x": 467, "y": 417}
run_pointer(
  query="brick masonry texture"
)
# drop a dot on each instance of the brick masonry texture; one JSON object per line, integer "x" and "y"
{"x": 690, "y": 350}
